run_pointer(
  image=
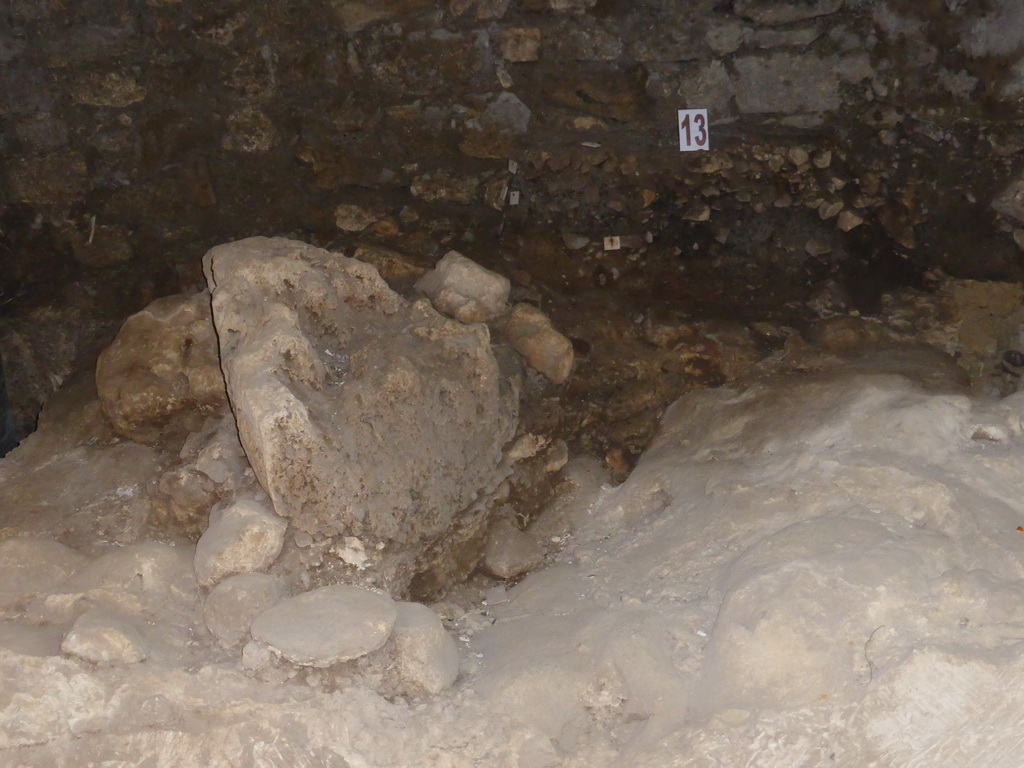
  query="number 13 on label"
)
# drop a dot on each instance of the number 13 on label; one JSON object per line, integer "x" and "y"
{"x": 693, "y": 130}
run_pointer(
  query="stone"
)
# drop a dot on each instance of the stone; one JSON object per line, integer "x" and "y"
{"x": 425, "y": 655}
{"x": 354, "y": 218}
{"x": 849, "y": 220}
{"x": 520, "y": 44}
{"x": 104, "y": 639}
{"x": 242, "y": 538}
{"x": 231, "y": 605}
{"x": 507, "y": 114}
{"x": 327, "y": 625}
{"x": 110, "y": 90}
{"x": 510, "y": 552}
{"x": 791, "y": 83}
{"x": 530, "y": 333}
{"x": 1010, "y": 201}
{"x": 773, "y": 12}
{"x": 460, "y": 288}
{"x": 162, "y": 365}
{"x": 362, "y": 415}
{"x": 442, "y": 186}
{"x": 30, "y": 566}
{"x": 249, "y": 130}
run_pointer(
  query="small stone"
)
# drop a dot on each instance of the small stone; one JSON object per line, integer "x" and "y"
{"x": 520, "y": 44}
{"x": 798, "y": 156}
{"x": 849, "y": 220}
{"x": 697, "y": 212}
{"x": 327, "y": 625}
{"x": 231, "y": 606}
{"x": 255, "y": 656}
{"x": 354, "y": 218}
{"x": 460, "y": 288}
{"x": 104, "y": 639}
{"x": 1018, "y": 238}
{"x": 510, "y": 552}
{"x": 530, "y": 332}
{"x": 245, "y": 537}
{"x": 827, "y": 210}
{"x": 110, "y": 90}
{"x": 823, "y": 159}
{"x": 426, "y": 657}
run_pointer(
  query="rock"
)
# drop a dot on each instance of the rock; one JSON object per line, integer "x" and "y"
{"x": 789, "y": 83}
{"x": 519, "y": 44}
{"x": 30, "y": 566}
{"x": 101, "y": 638}
{"x": 162, "y": 365}
{"x": 231, "y": 605}
{"x": 442, "y": 186}
{"x": 425, "y": 655}
{"x": 529, "y": 331}
{"x": 849, "y": 220}
{"x": 510, "y": 552}
{"x": 362, "y": 415}
{"x": 110, "y": 90}
{"x": 327, "y": 625}
{"x": 461, "y": 288}
{"x": 354, "y": 218}
{"x": 249, "y": 130}
{"x": 773, "y": 12}
{"x": 1010, "y": 202}
{"x": 242, "y": 538}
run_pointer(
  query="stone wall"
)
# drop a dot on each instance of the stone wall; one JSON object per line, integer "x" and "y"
{"x": 853, "y": 142}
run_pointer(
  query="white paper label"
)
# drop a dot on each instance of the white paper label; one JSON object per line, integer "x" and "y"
{"x": 694, "y": 132}
{"x": 513, "y": 198}
{"x": 612, "y": 243}
{"x": 513, "y": 166}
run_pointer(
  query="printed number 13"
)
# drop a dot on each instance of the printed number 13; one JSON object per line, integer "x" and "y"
{"x": 700, "y": 122}
{"x": 694, "y": 131}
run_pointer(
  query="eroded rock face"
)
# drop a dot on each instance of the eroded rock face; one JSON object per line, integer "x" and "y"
{"x": 162, "y": 364}
{"x": 370, "y": 421}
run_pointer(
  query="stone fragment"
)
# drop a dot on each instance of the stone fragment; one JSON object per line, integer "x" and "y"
{"x": 510, "y": 552}
{"x": 354, "y": 218}
{"x": 726, "y": 38}
{"x": 362, "y": 415}
{"x": 110, "y": 90}
{"x": 242, "y": 538}
{"x": 791, "y": 83}
{"x": 327, "y": 625}
{"x": 849, "y": 220}
{"x": 30, "y": 566}
{"x": 231, "y": 605}
{"x": 828, "y": 210}
{"x": 572, "y": 6}
{"x": 426, "y": 657}
{"x": 507, "y": 114}
{"x": 442, "y": 186}
{"x": 520, "y": 44}
{"x": 773, "y": 12}
{"x": 459, "y": 287}
{"x": 162, "y": 364}
{"x": 529, "y": 331}
{"x": 104, "y": 639}
{"x": 249, "y": 130}
{"x": 1010, "y": 202}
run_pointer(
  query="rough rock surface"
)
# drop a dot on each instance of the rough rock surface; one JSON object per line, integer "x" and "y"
{"x": 347, "y": 398}
{"x": 509, "y": 551}
{"x": 104, "y": 639}
{"x": 530, "y": 332}
{"x": 327, "y": 625}
{"x": 244, "y": 537}
{"x": 231, "y": 605}
{"x": 162, "y": 364}
{"x": 426, "y": 657}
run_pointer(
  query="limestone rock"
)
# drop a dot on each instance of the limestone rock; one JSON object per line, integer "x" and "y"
{"x": 104, "y": 639}
{"x": 529, "y": 331}
{"x": 774, "y": 12}
{"x": 510, "y": 552}
{"x": 29, "y": 566}
{"x": 244, "y": 537}
{"x": 520, "y": 44}
{"x": 230, "y": 607}
{"x": 461, "y": 288}
{"x": 426, "y": 657}
{"x": 327, "y": 625}
{"x": 361, "y": 414}
{"x": 162, "y": 364}
{"x": 354, "y": 218}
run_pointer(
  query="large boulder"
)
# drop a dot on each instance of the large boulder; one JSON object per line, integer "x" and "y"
{"x": 373, "y": 423}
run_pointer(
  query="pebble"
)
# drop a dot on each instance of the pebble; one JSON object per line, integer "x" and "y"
{"x": 460, "y": 288}
{"x": 327, "y": 625}
{"x": 510, "y": 552}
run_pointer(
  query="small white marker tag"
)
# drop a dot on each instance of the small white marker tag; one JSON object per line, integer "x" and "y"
{"x": 694, "y": 131}
{"x": 513, "y": 198}
{"x": 513, "y": 166}
{"x": 612, "y": 243}
{"x": 503, "y": 195}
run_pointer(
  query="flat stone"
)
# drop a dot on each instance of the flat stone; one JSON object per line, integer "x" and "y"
{"x": 31, "y": 566}
{"x": 354, "y": 218}
{"x": 784, "y": 11}
{"x": 231, "y": 606}
{"x": 520, "y": 44}
{"x": 426, "y": 656}
{"x": 244, "y": 537}
{"x": 327, "y": 625}
{"x": 462, "y": 289}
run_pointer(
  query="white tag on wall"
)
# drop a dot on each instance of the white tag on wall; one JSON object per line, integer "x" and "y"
{"x": 513, "y": 198}
{"x": 694, "y": 131}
